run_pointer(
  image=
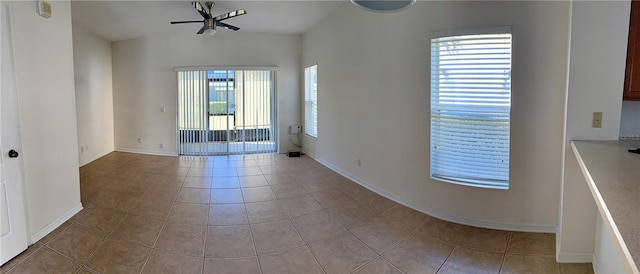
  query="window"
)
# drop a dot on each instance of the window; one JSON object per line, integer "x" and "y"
{"x": 311, "y": 101}
{"x": 221, "y": 84}
{"x": 470, "y": 108}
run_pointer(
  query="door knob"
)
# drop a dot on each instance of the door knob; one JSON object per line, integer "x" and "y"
{"x": 13, "y": 154}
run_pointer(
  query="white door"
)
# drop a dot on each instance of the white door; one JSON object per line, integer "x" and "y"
{"x": 13, "y": 227}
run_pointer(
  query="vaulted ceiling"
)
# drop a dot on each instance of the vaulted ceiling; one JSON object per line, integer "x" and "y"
{"x": 121, "y": 20}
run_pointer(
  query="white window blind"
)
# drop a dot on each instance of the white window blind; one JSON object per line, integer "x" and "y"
{"x": 470, "y": 108}
{"x": 311, "y": 101}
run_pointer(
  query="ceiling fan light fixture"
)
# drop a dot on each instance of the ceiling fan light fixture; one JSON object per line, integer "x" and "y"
{"x": 210, "y": 31}
{"x": 383, "y": 6}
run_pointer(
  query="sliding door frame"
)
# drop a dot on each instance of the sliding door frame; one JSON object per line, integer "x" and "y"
{"x": 203, "y": 134}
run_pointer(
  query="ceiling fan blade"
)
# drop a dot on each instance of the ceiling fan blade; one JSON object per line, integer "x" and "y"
{"x": 185, "y": 22}
{"x": 201, "y": 9}
{"x": 230, "y": 15}
{"x": 227, "y": 26}
{"x": 201, "y": 31}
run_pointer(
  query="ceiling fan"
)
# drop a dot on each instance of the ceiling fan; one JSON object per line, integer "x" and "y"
{"x": 210, "y": 22}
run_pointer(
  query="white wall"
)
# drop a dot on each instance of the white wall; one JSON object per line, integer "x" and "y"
{"x": 144, "y": 80}
{"x": 43, "y": 55}
{"x": 595, "y": 85}
{"x": 94, "y": 96}
{"x": 606, "y": 258}
{"x": 630, "y": 119}
{"x": 373, "y": 99}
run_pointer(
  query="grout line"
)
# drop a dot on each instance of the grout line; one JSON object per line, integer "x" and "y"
{"x": 255, "y": 248}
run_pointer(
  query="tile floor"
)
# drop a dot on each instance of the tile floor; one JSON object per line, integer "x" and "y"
{"x": 262, "y": 214}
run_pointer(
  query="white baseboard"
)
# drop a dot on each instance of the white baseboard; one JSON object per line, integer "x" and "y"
{"x": 594, "y": 263}
{"x": 55, "y": 224}
{"x": 575, "y": 258}
{"x": 149, "y": 152}
{"x": 540, "y": 228}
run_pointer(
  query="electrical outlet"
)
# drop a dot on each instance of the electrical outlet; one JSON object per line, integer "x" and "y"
{"x": 597, "y": 120}
{"x": 161, "y": 145}
{"x": 81, "y": 149}
{"x": 359, "y": 163}
{"x": 139, "y": 140}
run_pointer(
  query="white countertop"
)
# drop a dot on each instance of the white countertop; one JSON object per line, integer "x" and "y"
{"x": 613, "y": 176}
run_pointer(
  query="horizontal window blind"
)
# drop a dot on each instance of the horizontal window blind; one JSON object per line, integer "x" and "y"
{"x": 470, "y": 109}
{"x": 311, "y": 101}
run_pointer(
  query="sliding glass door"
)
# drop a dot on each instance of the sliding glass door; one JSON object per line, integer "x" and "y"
{"x": 222, "y": 112}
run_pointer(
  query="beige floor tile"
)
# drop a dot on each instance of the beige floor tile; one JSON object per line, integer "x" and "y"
{"x": 299, "y": 201}
{"x": 351, "y": 214}
{"x": 119, "y": 200}
{"x": 275, "y": 237}
{"x": 297, "y": 260}
{"x": 102, "y": 218}
{"x": 197, "y": 182}
{"x": 486, "y": 239}
{"x": 225, "y": 182}
{"x": 249, "y": 171}
{"x": 376, "y": 202}
{"x": 228, "y": 214}
{"x": 279, "y": 178}
{"x": 301, "y": 205}
{"x": 408, "y": 217}
{"x": 200, "y": 172}
{"x": 585, "y": 268}
{"x": 118, "y": 256}
{"x": 304, "y": 173}
{"x": 317, "y": 226}
{"x": 141, "y": 230}
{"x": 288, "y": 190}
{"x": 188, "y": 213}
{"x": 380, "y": 233}
{"x": 419, "y": 253}
{"x": 330, "y": 198}
{"x": 528, "y": 264}
{"x": 163, "y": 179}
{"x": 229, "y": 242}
{"x": 532, "y": 244}
{"x": 193, "y": 195}
{"x": 258, "y": 194}
{"x": 226, "y": 196}
{"x": 85, "y": 270}
{"x": 162, "y": 262}
{"x": 263, "y": 212}
{"x": 224, "y": 171}
{"x": 182, "y": 238}
{"x": 464, "y": 260}
{"x": 273, "y": 169}
{"x": 77, "y": 242}
{"x": 131, "y": 187}
{"x": 378, "y": 266}
{"x": 58, "y": 230}
{"x": 152, "y": 208}
{"x": 355, "y": 190}
{"x": 252, "y": 181}
{"x": 443, "y": 230}
{"x": 45, "y": 260}
{"x": 160, "y": 192}
{"x": 231, "y": 266}
{"x": 21, "y": 257}
{"x": 342, "y": 253}
{"x": 315, "y": 184}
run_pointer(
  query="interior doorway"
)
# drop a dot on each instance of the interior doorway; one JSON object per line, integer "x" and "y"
{"x": 225, "y": 111}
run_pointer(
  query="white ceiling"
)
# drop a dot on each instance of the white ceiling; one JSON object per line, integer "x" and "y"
{"x": 121, "y": 20}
